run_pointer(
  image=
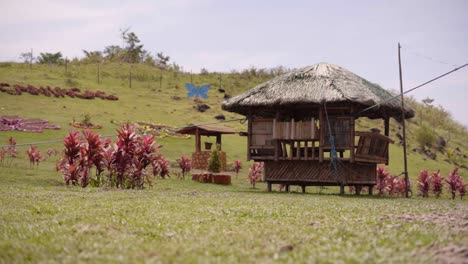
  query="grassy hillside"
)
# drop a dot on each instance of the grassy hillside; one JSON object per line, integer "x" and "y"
{"x": 182, "y": 221}
{"x": 151, "y": 99}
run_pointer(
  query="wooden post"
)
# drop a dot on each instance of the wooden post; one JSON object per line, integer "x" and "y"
{"x": 351, "y": 143}
{"x": 130, "y": 77}
{"x": 293, "y": 129}
{"x": 275, "y": 136}
{"x": 31, "y": 59}
{"x": 322, "y": 132}
{"x": 249, "y": 135}
{"x": 218, "y": 141}
{"x": 220, "y": 81}
{"x": 197, "y": 140}
{"x": 403, "y": 125}
{"x": 387, "y": 133}
{"x": 160, "y": 79}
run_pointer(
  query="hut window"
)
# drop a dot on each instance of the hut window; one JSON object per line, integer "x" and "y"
{"x": 262, "y": 132}
{"x": 341, "y": 130}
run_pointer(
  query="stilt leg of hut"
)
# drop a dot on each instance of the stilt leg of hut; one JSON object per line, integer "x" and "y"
{"x": 371, "y": 187}
{"x": 358, "y": 189}
{"x": 303, "y": 188}
{"x": 287, "y": 188}
{"x": 342, "y": 189}
{"x": 269, "y": 186}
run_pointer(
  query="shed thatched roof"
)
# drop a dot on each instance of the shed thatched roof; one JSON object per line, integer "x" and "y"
{"x": 318, "y": 84}
{"x": 206, "y": 130}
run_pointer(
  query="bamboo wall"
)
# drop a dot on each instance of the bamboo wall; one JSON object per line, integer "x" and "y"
{"x": 314, "y": 172}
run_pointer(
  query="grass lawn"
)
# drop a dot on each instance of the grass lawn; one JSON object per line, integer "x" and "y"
{"x": 182, "y": 221}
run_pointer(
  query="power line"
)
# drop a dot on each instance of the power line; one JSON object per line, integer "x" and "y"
{"x": 113, "y": 135}
{"x": 418, "y": 54}
{"x": 410, "y": 90}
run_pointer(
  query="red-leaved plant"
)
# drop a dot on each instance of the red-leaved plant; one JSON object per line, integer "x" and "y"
{"x": 34, "y": 156}
{"x": 400, "y": 187}
{"x": 382, "y": 175}
{"x": 453, "y": 181}
{"x": 161, "y": 167}
{"x": 462, "y": 187}
{"x": 255, "y": 173}
{"x": 391, "y": 182}
{"x": 125, "y": 162}
{"x": 69, "y": 164}
{"x": 12, "y": 147}
{"x": 437, "y": 183}
{"x": 92, "y": 155}
{"x": 237, "y": 166}
{"x": 185, "y": 164}
{"x": 424, "y": 182}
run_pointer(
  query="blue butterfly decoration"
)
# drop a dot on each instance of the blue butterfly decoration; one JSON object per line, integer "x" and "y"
{"x": 194, "y": 91}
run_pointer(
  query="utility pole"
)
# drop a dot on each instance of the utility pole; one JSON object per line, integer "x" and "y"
{"x": 220, "y": 81}
{"x": 403, "y": 125}
{"x": 31, "y": 59}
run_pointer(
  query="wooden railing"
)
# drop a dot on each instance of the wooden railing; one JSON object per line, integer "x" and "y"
{"x": 371, "y": 148}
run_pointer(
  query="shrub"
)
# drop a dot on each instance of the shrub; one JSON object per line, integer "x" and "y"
{"x": 214, "y": 163}
{"x": 424, "y": 183}
{"x": 437, "y": 183}
{"x": 425, "y": 137}
{"x": 255, "y": 173}
{"x": 185, "y": 164}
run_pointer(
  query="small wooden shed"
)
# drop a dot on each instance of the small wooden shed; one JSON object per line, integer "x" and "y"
{"x": 302, "y": 125}
{"x": 200, "y": 157}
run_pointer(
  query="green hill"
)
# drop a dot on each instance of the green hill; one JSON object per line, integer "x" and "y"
{"x": 159, "y": 97}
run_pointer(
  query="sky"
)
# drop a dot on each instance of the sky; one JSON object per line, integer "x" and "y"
{"x": 225, "y": 35}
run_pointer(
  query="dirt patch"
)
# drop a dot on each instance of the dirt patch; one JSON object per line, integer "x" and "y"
{"x": 454, "y": 220}
{"x": 450, "y": 254}
{"x": 457, "y": 221}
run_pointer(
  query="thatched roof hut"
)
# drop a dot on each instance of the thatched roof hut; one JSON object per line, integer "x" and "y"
{"x": 315, "y": 85}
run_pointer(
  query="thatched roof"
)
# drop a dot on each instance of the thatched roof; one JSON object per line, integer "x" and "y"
{"x": 315, "y": 85}
{"x": 206, "y": 130}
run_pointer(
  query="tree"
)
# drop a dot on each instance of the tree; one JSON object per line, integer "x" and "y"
{"x": 50, "y": 58}
{"x": 27, "y": 57}
{"x": 162, "y": 60}
{"x": 92, "y": 56}
{"x": 113, "y": 52}
{"x": 133, "y": 50}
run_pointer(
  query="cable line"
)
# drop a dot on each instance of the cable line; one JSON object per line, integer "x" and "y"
{"x": 410, "y": 90}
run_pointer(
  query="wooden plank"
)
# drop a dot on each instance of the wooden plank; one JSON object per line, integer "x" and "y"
{"x": 306, "y": 149}
{"x": 291, "y": 146}
{"x": 351, "y": 141}
{"x": 249, "y": 136}
{"x": 197, "y": 140}
{"x": 387, "y": 134}
{"x": 322, "y": 131}
{"x": 293, "y": 129}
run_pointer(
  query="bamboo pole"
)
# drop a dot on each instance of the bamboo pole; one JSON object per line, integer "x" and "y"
{"x": 403, "y": 125}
